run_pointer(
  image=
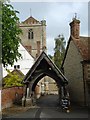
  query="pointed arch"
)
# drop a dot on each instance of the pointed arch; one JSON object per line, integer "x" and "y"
{"x": 41, "y": 68}
{"x": 42, "y": 75}
{"x": 44, "y": 67}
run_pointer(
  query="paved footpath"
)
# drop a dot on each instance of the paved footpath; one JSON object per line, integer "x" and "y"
{"x": 47, "y": 107}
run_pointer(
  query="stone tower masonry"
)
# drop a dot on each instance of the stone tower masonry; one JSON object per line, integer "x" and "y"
{"x": 33, "y": 37}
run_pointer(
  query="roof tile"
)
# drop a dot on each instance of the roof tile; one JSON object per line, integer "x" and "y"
{"x": 82, "y": 45}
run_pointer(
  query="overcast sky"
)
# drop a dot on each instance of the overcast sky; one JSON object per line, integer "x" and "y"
{"x": 58, "y": 15}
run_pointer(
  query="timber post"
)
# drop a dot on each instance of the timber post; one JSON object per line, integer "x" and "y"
{"x": 24, "y": 96}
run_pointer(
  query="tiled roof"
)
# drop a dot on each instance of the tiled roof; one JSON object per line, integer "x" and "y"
{"x": 83, "y": 46}
{"x": 16, "y": 72}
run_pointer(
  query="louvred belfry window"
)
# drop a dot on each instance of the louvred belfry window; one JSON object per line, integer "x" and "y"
{"x": 30, "y": 34}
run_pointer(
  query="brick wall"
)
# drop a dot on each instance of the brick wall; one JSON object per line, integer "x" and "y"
{"x": 75, "y": 28}
{"x": 9, "y": 95}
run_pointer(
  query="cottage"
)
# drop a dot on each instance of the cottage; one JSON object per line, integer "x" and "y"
{"x": 23, "y": 64}
{"x": 76, "y": 65}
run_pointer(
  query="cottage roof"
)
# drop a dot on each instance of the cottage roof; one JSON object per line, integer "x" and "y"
{"x": 16, "y": 72}
{"x": 44, "y": 66}
{"x": 82, "y": 44}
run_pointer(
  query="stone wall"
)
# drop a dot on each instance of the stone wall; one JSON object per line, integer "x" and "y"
{"x": 87, "y": 83}
{"x": 74, "y": 72}
{"x": 9, "y": 95}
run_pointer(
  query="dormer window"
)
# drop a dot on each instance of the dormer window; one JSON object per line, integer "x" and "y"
{"x": 30, "y": 34}
{"x": 16, "y": 66}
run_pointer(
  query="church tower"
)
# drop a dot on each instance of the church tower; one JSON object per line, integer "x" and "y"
{"x": 33, "y": 36}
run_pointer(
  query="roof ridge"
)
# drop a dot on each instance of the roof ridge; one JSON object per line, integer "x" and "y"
{"x": 30, "y": 20}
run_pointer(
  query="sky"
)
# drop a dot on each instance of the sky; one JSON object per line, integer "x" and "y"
{"x": 58, "y": 15}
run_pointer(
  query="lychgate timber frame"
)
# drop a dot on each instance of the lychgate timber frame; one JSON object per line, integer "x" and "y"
{"x": 43, "y": 66}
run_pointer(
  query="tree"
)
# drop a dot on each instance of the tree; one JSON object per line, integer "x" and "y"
{"x": 10, "y": 35}
{"x": 59, "y": 50}
{"x": 13, "y": 79}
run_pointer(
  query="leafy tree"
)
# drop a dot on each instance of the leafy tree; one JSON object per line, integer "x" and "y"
{"x": 13, "y": 79}
{"x": 59, "y": 50}
{"x": 10, "y": 35}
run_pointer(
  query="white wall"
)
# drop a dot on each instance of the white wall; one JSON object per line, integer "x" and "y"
{"x": 25, "y": 63}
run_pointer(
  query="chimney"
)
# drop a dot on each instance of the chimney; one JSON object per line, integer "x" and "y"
{"x": 75, "y": 28}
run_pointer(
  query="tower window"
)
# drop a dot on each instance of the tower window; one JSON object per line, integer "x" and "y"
{"x": 30, "y": 34}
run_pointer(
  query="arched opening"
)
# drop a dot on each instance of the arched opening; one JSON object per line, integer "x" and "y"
{"x": 45, "y": 86}
{"x": 42, "y": 68}
{"x": 48, "y": 85}
{"x": 46, "y": 92}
